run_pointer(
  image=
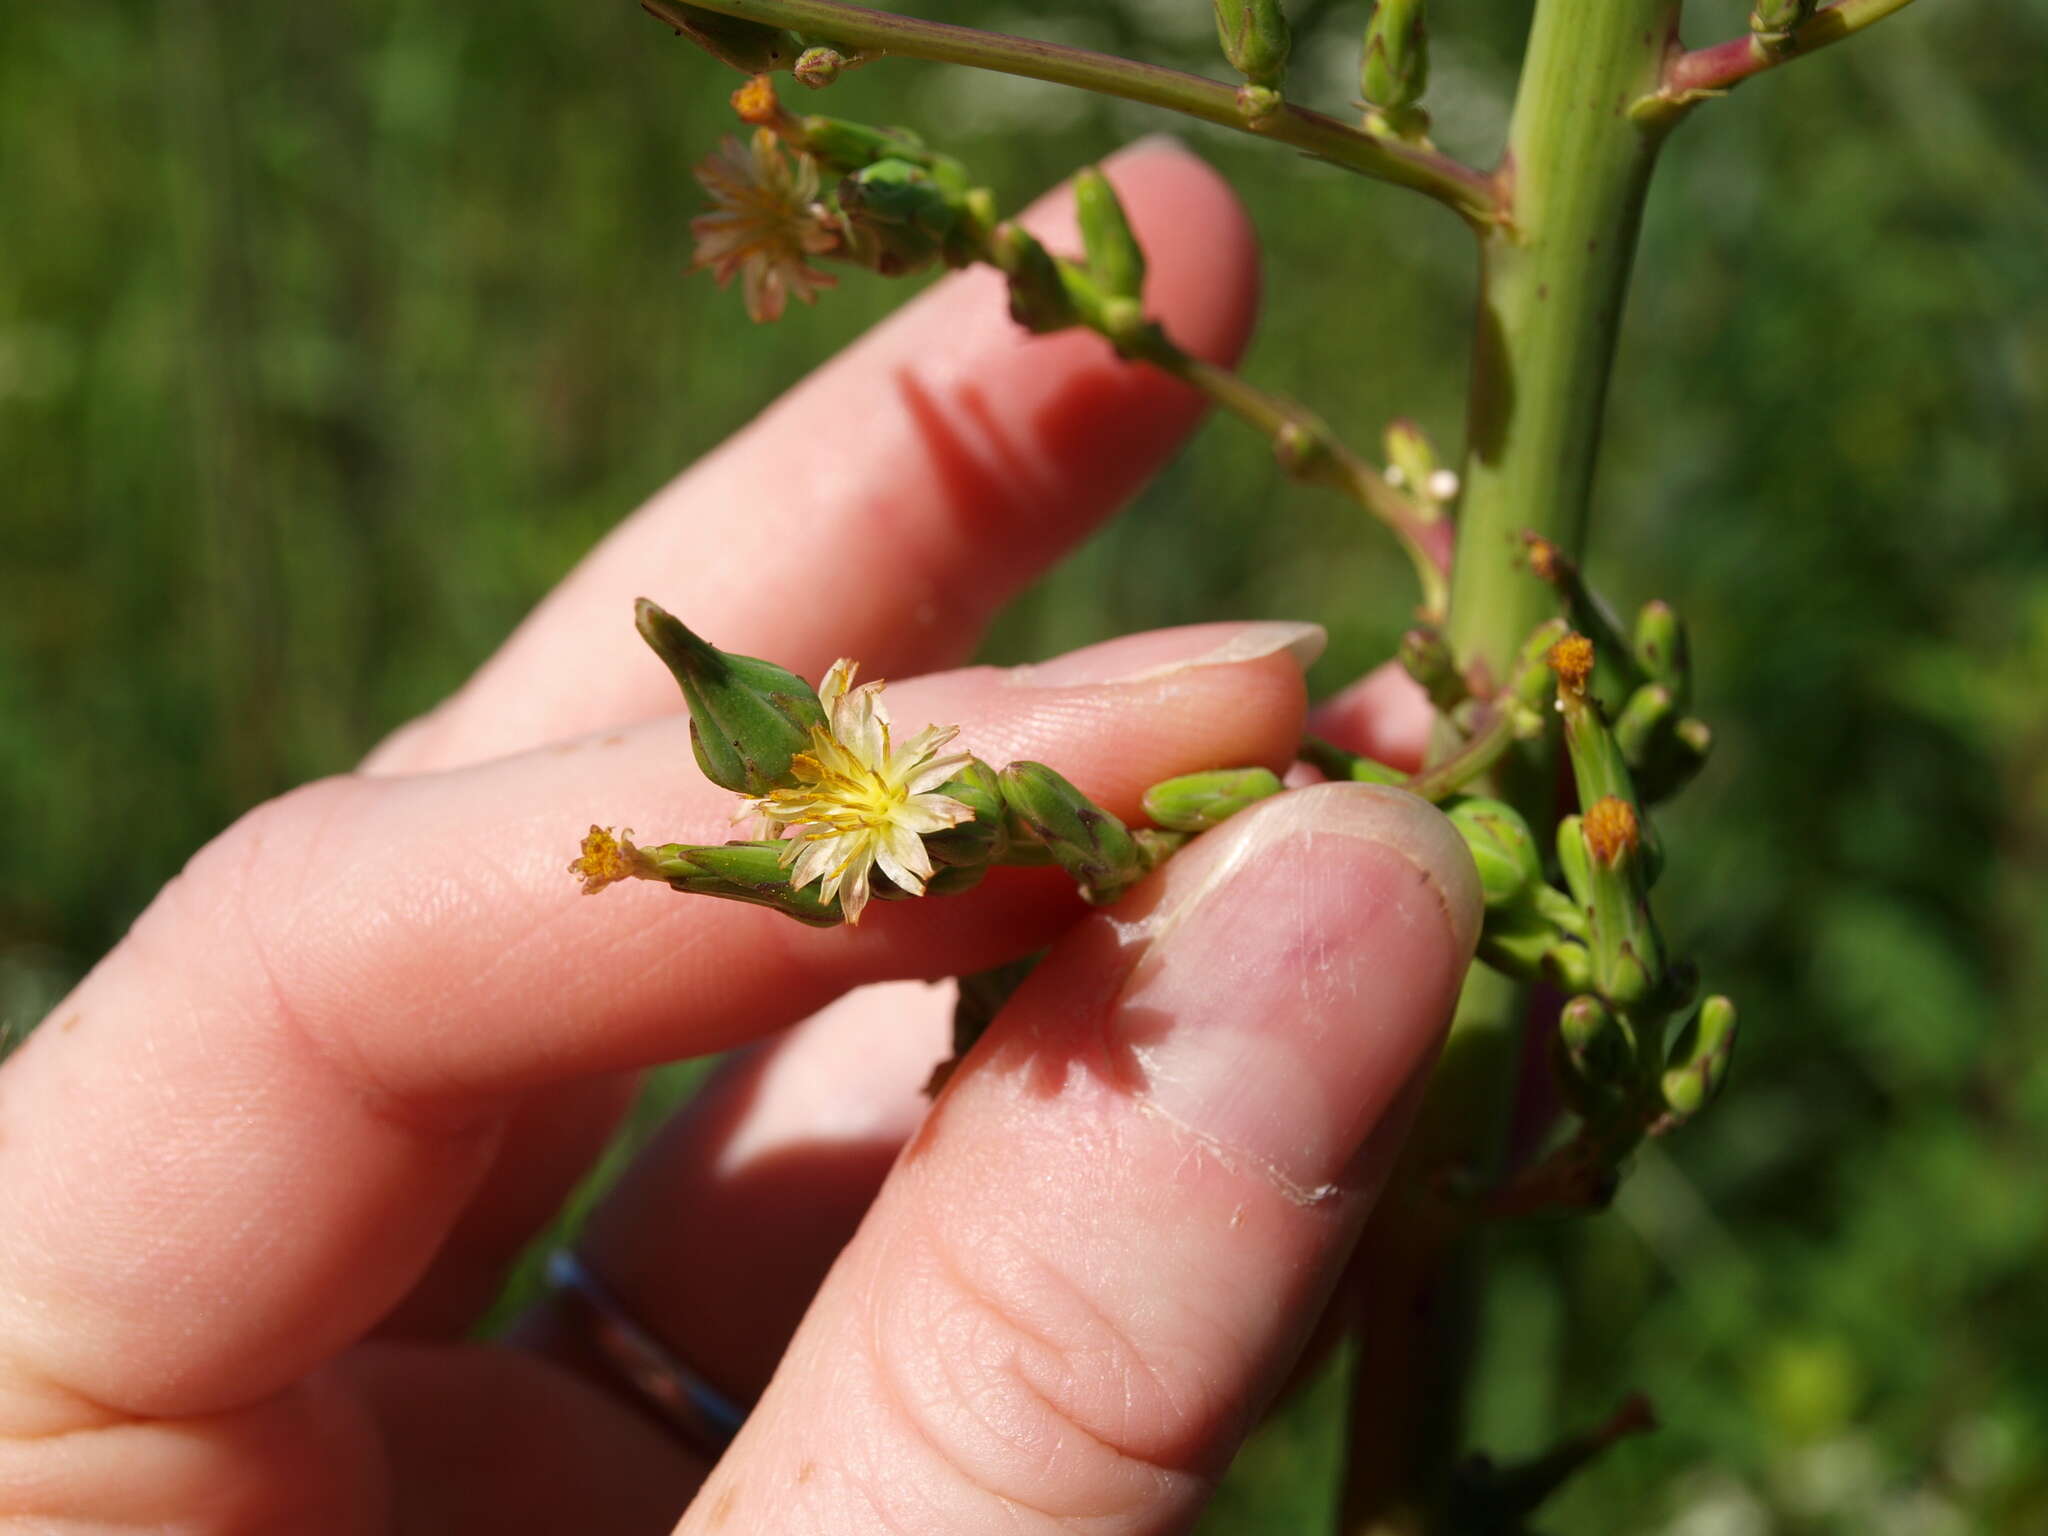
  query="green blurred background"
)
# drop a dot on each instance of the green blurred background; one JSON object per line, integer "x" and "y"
{"x": 330, "y": 336}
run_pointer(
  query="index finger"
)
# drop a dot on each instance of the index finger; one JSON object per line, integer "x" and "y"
{"x": 246, "y": 1133}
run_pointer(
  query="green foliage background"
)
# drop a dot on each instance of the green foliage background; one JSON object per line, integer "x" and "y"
{"x": 330, "y": 336}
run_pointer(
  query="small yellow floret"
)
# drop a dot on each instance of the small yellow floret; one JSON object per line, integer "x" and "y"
{"x": 1572, "y": 660}
{"x": 1611, "y": 829}
{"x": 606, "y": 860}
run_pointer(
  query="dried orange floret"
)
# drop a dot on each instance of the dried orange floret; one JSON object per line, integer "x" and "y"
{"x": 606, "y": 860}
{"x": 1572, "y": 660}
{"x": 755, "y": 102}
{"x": 1611, "y": 829}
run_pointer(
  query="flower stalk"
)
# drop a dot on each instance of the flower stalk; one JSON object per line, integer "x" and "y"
{"x": 1450, "y": 182}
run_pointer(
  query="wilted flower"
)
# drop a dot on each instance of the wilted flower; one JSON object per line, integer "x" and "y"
{"x": 859, "y": 803}
{"x": 768, "y": 219}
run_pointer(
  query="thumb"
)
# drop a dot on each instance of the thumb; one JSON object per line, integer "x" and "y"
{"x": 1092, "y": 1267}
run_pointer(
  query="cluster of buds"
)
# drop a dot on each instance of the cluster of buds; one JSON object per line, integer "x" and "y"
{"x": 849, "y": 814}
{"x": 1635, "y": 1053}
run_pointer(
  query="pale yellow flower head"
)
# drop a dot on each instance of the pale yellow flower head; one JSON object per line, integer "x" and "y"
{"x": 860, "y": 802}
{"x": 767, "y": 220}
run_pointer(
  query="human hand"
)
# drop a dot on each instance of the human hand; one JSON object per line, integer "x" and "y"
{"x": 264, "y": 1167}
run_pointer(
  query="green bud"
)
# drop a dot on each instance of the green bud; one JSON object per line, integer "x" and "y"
{"x": 983, "y": 841}
{"x": 901, "y": 215}
{"x": 1640, "y": 727}
{"x": 748, "y": 717}
{"x": 1773, "y": 21}
{"x": 1255, "y": 38}
{"x": 747, "y": 46}
{"x": 749, "y": 872}
{"x": 1661, "y": 649}
{"x": 847, "y": 147}
{"x": 1530, "y": 682}
{"x": 1195, "y": 802}
{"x": 1591, "y": 1059}
{"x": 1502, "y": 847}
{"x": 1085, "y": 840}
{"x": 1568, "y": 966}
{"x": 1426, "y": 656}
{"x": 1038, "y": 295}
{"x": 1395, "y": 70}
{"x": 1700, "y": 1058}
{"x": 1114, "y": 258}
{"x": 819, "y": 67}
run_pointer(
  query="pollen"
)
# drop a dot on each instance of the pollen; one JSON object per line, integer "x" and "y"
{"x": 1572, "y": 660}
{"x": 1611, "y": 829}
{"x": 606, "y": 860}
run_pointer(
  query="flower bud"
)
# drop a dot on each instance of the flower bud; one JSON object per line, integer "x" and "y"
{"x": 978, "y": 843}
{"x": 900, "y": 216}
{"x": 1195, "y": 802}
{"x": 1502, "y": 848}
{"x": 1661, "y": 650}
{"x": 1085, "y": 840}
{"x": 1700, "y": 1058}
{"x": 1255, "y": 38}
{"x": 748, "y": 717}
{"x": 748, "y": 872}
{"x": 1395, "y": 70}
{"x": 1114, "y": 258}
{"x": 747, "y": 46}
{"x": 1039, "y": 300}
{"x": 1640, "y": 727}
{"x": 1592, "y": 1056}
{"x": 819, "y": 67}
{"x": 848, "y": 147}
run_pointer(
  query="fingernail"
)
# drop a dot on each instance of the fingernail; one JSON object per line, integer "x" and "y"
{"x": 1298, "y": 978}
{"x": 1166, "y": 652}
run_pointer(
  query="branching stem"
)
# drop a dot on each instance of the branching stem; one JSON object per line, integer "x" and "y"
{"x": 1458, "y": 186}
{"x": 1703, "y": 72}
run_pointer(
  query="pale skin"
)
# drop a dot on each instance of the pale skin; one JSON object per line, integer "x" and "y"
{"x": 260, "y": 1172}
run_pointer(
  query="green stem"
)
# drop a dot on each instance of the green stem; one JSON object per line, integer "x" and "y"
{"x": 1554, "y": 272}
{"x": 1429, "y": 171}
{"x": 1311, "y": 452}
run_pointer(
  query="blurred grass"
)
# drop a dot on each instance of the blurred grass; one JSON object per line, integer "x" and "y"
{"x": 328, "y": 342}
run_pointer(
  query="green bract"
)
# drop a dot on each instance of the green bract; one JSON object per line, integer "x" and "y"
{"x": 748, "y": 717}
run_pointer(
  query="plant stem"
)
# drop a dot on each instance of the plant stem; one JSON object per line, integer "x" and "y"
{"x": 1449, "y": 181}
{"x": 1311, "y": 452}
{"x": 1554, "y": 272}
{"x": 1710, "y": 71}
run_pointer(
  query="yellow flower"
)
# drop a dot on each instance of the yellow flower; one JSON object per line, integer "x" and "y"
{"x": 860, "y": 804}
{"x": 767, "y": 220}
